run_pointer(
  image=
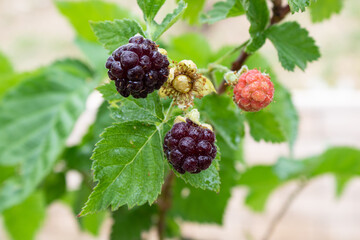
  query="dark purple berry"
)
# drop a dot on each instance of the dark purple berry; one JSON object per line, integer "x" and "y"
{"x": 129, "y": 59}
{"x": 176, "y": 157}
{"x": 189, "y": 147}
{"x": 136, "y": 73}
{"x": 179, "y": 130}
{"x": 138, "y": 61}
{"x": 117, "y": 70}
{"x": 208, "y": 135}
{"x": 204, "y": 147}
{"x": 138, "y": 39}
{"x": 204, "y": 162}
{"x": 190, "y": 164}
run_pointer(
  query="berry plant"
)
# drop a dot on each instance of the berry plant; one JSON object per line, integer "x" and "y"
{"x": 166, "y": 144}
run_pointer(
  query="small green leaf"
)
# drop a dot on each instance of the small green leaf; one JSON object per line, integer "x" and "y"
{"x": 128, "y": 166}
{"x": 323, "y": 9}
{"x": 261, "y": 181}
{"x": 36, "y": 119}
{"x": 263, "y": 126}
{"x": 222, "y": 10}
{"x": 133, "y": 109}
{"x": 150, "y": 8}
{"x": 194, "y": 7}
{"x": 257, "y": 13}
{"x": 113, "y": 34}
{"x": 124, "y": 227}
{"x": 293, "y": 51}
{"x": 225, "y": 117}
{"x": 297, "y": 5}
{"x": 22, "y": 221}
{"x": 207, "y": 179}
{"x": 81, "y": 12}
{"x": 169, "y": 20}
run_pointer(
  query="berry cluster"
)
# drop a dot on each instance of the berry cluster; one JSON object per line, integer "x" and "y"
{"x": 254, "y": 91}
{"x": 138, "y": 68}
{"x": 189, "y": 147}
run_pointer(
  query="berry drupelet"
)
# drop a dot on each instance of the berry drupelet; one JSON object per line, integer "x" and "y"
{"x": 190, "y": 147}
{"x": 138, "y": 68}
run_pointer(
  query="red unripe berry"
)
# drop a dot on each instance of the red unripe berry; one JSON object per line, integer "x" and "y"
{"x": 254, "y": 91}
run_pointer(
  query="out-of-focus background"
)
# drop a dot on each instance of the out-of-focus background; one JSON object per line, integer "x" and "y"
{"x": 327, "y": 96}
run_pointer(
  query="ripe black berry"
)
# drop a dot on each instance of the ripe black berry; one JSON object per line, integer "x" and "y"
{"x": 138, "y": 68}
{"x": 189, "y": 147}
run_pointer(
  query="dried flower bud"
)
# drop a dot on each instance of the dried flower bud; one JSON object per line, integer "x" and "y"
{"x": 184, "y": 83}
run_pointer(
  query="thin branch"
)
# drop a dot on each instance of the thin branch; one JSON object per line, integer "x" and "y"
{"x": 164, "y": 202}
{"x": 285, "y": 207}
{"x": 279, "y": 13}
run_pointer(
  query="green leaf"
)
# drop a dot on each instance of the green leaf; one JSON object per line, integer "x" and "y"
{"x": 113, "y": 34}
{"x": 323, "y": 9}
{"x": 6, "y": 172}
{"x": 128, "y": 165}
{"x": 263, "y": 126}
{"x": 297, "y": 5}
{"x": 225, "y": 117}
{"x": 222, "y": 10}
{"x": 282, "y": 108}
{"x": 22, "y": 221}
{"x": 7, "y": 79}
{"x": 169, "y": 20}
{"x": 190, "y": 46}
{"x": 150, "y": 8}
{"x": 194, "y": 7}
{"x": 80, "y": 13}
{"x": 124, "y": 219}
{"x": 257, "y": 13}
{"x": 78, "y": 157}
{"x": 293, "y": 51}
{"x": 36, "y": 119}
{"x": 133, "y": 109}
{"x": 261, "y": 182}
{"x": 208, "y": 179}
{"x": 286, "y": 169}
{"x": 187, "y": 199}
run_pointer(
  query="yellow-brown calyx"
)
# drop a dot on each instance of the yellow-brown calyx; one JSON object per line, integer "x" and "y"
{"x": 184, "y": 83}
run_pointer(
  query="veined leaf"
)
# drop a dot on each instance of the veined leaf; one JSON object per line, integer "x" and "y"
{"x": 169, "y": 20}
{"x": 132, "y": 109}
{"x": 128, "y": 165}
{"x": 222, "y": 10}
{"x": 257, "y": 13}
{"x": 36, "y": 119}
{"x": 293, "y": 51}
{"x": 297, "y": 5}
{"x": 113, "y": 34}
{"x": 150, "y": 8}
